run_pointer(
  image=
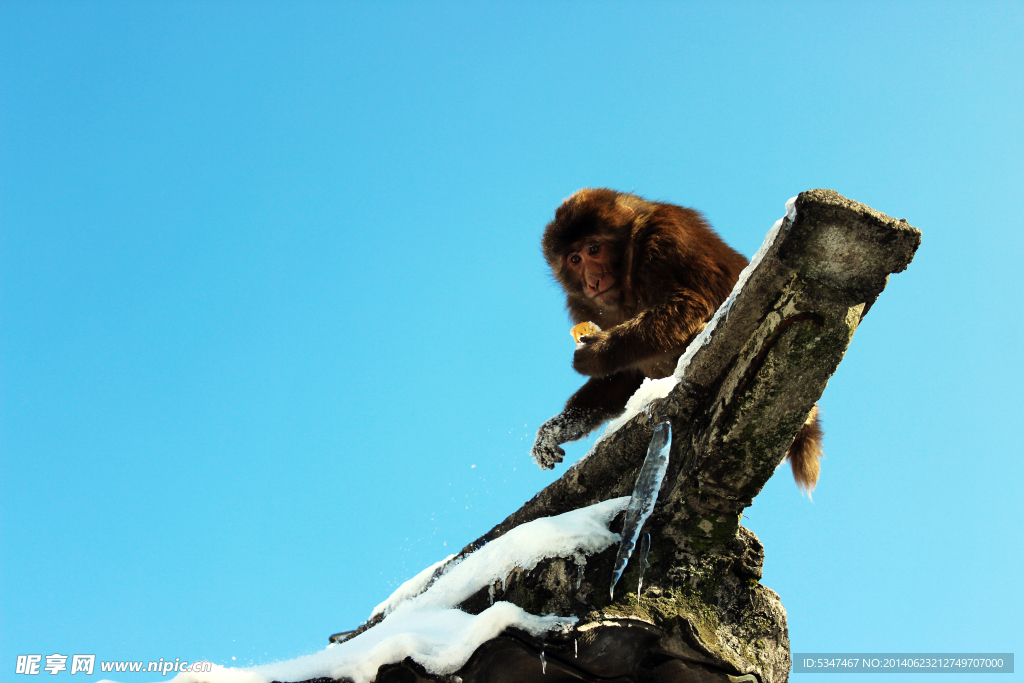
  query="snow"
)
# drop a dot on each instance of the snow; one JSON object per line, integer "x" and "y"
{"x": 409, "y": 589}
{"x": 650, "y": 390}
{"x": 791, "y": 209}
{"x": 644, "y": 498}
{"x": 428, "y": 626}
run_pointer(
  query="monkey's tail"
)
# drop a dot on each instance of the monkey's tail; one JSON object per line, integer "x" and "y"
{"x": 806, "y": 451}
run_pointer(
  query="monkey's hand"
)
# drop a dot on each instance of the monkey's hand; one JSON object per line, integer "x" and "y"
{"x": 591, "y": 357}
{"x": 546, "y": 452}
{"x": 569, "y": 425}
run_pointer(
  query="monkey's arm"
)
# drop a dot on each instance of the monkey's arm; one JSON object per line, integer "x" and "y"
{"x": 600, "y": 399}
{"x": 659, "y": 331}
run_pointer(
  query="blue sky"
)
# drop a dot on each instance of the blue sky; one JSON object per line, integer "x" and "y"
{"x": 276, "y": 332}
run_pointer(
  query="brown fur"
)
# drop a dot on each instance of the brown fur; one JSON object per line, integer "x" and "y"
{"x": 805, "y": 453}
{"x": 671, "y": 271}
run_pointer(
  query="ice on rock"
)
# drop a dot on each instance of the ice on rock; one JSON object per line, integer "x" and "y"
{"x": 645, "y": 548}
{"x": 581, "y": 563}
{"x": 645, "y": 495}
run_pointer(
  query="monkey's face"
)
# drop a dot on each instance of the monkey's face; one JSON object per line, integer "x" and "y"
{"x": 593, "y": 263}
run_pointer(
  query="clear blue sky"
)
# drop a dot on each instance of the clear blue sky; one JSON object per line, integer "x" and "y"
{"x": 276, "y": 332}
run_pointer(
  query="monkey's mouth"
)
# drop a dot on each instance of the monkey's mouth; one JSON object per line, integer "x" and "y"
{"x": 603, "y": 292}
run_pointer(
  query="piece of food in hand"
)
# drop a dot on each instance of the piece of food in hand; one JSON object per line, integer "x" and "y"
{"x": 583, "y": 329}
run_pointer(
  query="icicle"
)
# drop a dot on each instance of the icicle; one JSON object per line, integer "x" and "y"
{"x": 645, "y": 495}
{"x": 576, "y": 644}
{"x": 645, "y": 547}
{"x": 503, "y": 584}
{"x": 490, "y": 593}
{"x": 581, "y": 562}
{"x": 543, "y": 663}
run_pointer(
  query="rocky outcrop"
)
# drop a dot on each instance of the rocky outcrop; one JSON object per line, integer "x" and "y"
{"x": 702, "y": 614}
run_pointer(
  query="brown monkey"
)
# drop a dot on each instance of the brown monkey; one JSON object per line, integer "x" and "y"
{"x": 650, "y": 275}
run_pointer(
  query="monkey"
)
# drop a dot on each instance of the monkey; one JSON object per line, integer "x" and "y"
{"x": 650, "y": 275}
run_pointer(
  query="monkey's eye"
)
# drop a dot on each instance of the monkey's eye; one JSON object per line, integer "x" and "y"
{"x": 592, "y": 249}
{"x": 575, "y": 259}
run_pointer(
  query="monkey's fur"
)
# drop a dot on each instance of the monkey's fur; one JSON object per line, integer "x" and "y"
{"x": 669, "y": 271}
